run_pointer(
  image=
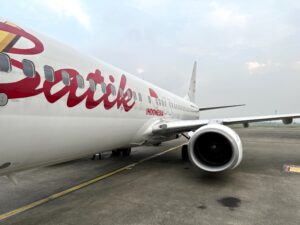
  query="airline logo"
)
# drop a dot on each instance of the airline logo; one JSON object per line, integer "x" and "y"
{"x": 28, "y": 87}
{"x": 7, "y": 40}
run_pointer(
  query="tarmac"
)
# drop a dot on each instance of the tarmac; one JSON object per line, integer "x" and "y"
{"x": 154, "y": 186}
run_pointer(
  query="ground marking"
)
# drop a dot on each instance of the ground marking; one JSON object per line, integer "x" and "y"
{"x": 82, "y": 185}
{"x": 291, "y": 169}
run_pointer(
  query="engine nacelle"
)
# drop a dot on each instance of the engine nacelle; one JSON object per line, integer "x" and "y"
{"x": 287, "y": 121}
{"x": 215, "y": 148}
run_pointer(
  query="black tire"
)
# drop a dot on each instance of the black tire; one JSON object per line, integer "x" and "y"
{"x": 126, "y": 151}
{"x": 115, "y": 153}
{"x": 184, "y": 153}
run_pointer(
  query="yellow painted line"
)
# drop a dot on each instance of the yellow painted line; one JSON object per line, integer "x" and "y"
{"x": 295, "y": 169}
{"x": 292, "y": 169}
{"x": 79, "y": 186}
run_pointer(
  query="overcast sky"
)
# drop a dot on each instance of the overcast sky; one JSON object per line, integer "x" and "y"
{"x": 247, "y": 51}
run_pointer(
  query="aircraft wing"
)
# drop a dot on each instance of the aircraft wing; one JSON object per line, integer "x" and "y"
{"x": 180, "y": 126}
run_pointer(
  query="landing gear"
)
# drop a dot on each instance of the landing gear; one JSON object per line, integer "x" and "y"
{"x": 126, "y": 151}
{"x": 122, "y": 151}
{"x": 184, "y": 153}
{"x": 97, "y": 156}
{"x": 115, "y": 153}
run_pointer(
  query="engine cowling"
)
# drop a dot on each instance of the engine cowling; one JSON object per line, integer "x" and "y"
{"x": 215, "y": 148}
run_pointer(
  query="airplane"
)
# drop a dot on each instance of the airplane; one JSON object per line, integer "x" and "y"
{"x": 57, "y": 104}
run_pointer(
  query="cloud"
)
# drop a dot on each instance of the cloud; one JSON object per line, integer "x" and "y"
{"x": 70, "y": 8}
{"x": 267, "y": 67}
{"x": 226, "y": 16}
{"x": 151, "y": 5}
{"x": 140, "y": 70}
{"x": 255, "y": 66}
{"x": 296, "y": 65}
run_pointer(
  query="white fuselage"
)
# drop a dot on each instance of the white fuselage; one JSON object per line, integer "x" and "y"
{"x": 45, "y": 122}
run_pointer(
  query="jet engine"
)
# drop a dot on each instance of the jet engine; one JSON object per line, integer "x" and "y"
{"x": 215, "y": 148}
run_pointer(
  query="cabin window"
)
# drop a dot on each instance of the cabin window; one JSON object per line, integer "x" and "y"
{"x": 140, "y": 97}
{"x": 149, "y": 99}
{"x": 65, "y": 78}
{"x": 49, "y": 73}
{"x": 121, "y": 92}
{"x": 103, "y": 87}
{"x": 92, "y": 85}
{"x": 113, "y": 89}
{"x": 129, "y": 94}
{"x": 5, "y": 65}
{"x": 80, "y": 81}
{"x": 28, "y": 68}
{"x": 134, "y": 95}
{"x": 3, "y": 99}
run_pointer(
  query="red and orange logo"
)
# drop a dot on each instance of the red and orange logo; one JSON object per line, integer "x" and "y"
{"x": 7, "y": 39}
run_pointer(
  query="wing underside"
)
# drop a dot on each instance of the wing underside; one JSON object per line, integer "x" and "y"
{"x": 219, "y": 107}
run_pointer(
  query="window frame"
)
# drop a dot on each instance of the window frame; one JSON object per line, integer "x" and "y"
{"x": 113, "y": 89}
{"x": 9, "y": 62}
{"x": 52, "y": 75}
{"x": 140, "y": 97}
{"x": 134, "y": 95}
{"x": 92, "y": 85}
{"x": 129, "y": 93}
{"x": 103, "y": 87}
{"x": 64, "y": 73}
{"x": 27, "y": 61}
{"x": 121, "y": 92}
{"x": 79, "y": 77}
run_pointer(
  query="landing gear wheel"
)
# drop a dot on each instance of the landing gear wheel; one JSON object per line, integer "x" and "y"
{"x": 116, "y": 153}
{"x": 126, "y": 151}
{"x": 184, "y": 153}
{"x": 98, "y": 155}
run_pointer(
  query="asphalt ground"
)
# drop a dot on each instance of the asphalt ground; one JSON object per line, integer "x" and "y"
{"x": 155, "y": 187}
